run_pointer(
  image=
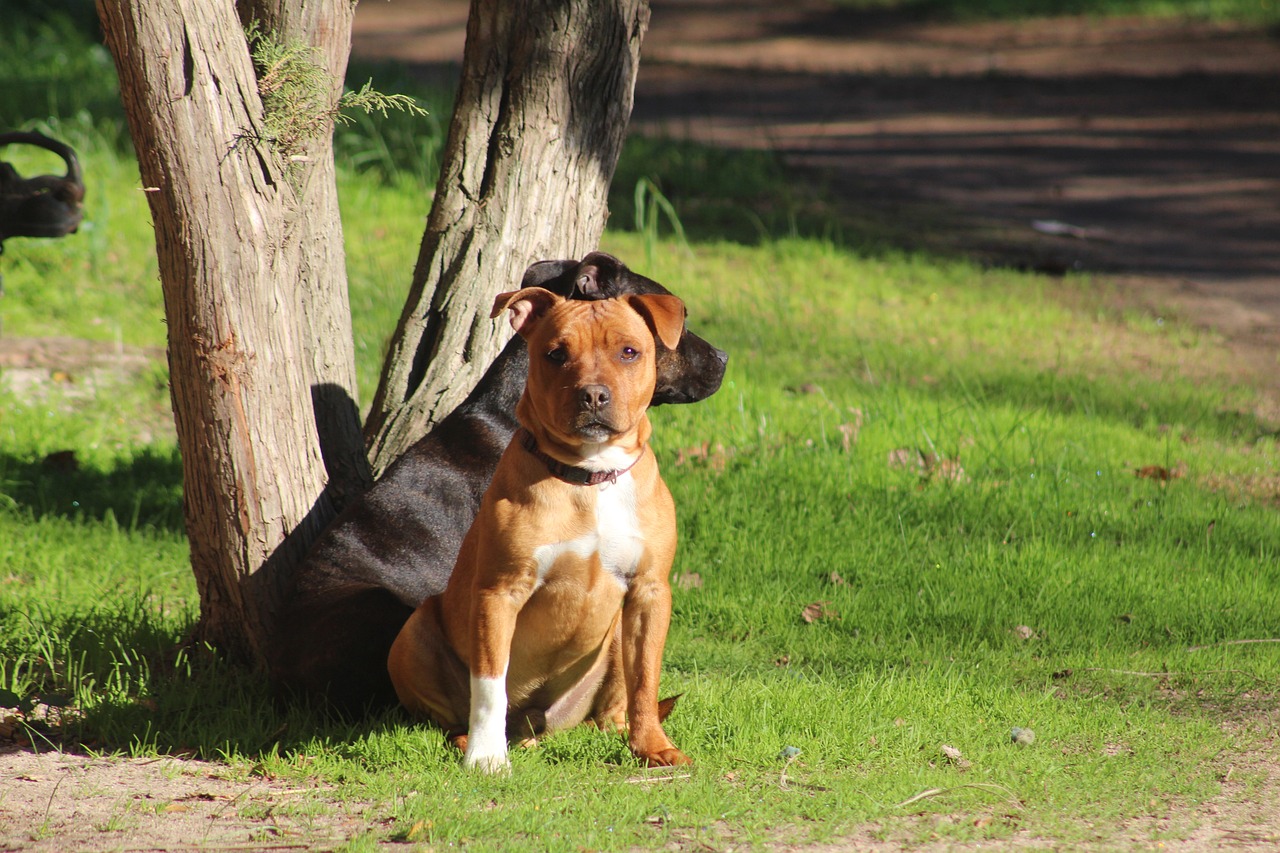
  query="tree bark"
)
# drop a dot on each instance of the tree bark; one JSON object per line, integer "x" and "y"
{"x": 542, "y": 110}
{"x": 324, "y": 310}
{"x": 252, "y": 270}
{"x": 229, "y": 266}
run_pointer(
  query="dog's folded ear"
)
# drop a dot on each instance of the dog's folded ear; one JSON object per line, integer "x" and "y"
{"x": 527, "y": 306}
{"x": 594, "y": 277}
{"x": 597, "y": 276}
{"x": 663, "y": 313}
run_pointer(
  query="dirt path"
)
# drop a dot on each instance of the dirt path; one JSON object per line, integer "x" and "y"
{"x": 1151, "y": 147}
{"x": 56, "y": 803}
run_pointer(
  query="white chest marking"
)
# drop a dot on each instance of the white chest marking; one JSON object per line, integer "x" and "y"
{"x": 617, "y": 537}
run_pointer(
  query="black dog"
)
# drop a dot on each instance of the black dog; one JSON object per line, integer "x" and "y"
{"x": 396, "y": 544}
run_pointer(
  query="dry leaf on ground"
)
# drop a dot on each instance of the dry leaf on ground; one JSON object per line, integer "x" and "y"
{"x": 849, "y": 432}
{"x": 954, "y": 757}
{"x": 689, "y": 580}
{"x": 818, "y": 610}
{"x": 931, "y": 465}
{"x": 715, "y": 457}
{"x": 1159, "y": 472}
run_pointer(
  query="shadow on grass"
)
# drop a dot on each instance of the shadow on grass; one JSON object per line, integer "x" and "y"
{"x": 204, "y": 706}
{"x": 153, "y": 692}
{"x": 145, "y": 491}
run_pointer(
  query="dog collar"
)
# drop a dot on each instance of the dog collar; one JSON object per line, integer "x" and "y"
{"x": 570, "y": 474}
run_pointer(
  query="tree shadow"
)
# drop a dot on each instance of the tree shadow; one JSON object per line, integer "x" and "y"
{"x": 957, "y": 139}
{"x": 155, "y": 692}
{"x": 144, "y": 491}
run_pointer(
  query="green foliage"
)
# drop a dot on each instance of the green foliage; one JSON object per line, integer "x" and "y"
{"x": 398, "y": 148}
{"x": 296, "y": 93}
{"x": 56, "y": 73}
{"x": 708, "y": 193}
{"x": 367, "y": 99}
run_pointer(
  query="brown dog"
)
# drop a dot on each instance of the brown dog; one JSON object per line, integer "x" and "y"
{"x": 558, "y": 607}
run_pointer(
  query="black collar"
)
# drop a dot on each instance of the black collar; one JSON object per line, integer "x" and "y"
{"x": 568, "y": 473}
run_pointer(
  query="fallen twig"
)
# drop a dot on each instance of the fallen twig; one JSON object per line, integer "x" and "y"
{"x": 933, "y": 792}
{"x": 785, "y": 785}
{"x": 928, "y": 792}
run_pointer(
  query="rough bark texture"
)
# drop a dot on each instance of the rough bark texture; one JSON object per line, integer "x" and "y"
{"x": 253, "y": 475}
{"x": 541, "y": 113}
{"x": 324, "y": 311}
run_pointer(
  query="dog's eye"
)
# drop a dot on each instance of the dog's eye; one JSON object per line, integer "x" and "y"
{"x": 559, "y": 355}
{"x": 630, "y": 353}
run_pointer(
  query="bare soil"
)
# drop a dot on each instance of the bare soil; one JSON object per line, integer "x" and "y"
{"x": 60, "y": 802}
{"x": 1144, "y": 151}
{"x": 81, "y": 368}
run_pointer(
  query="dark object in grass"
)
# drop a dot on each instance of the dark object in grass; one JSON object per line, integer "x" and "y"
{"x": 42, "y": 205}
{"x": 397, "y": 543}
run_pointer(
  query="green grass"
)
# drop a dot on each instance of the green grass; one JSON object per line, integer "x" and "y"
{"x": 1049, "y": 528}
{"x": 797, "y": 484}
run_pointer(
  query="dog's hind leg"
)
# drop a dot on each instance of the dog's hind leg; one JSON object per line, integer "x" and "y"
{"x": 430, "y": 680}
{"x": 609, "y": 712}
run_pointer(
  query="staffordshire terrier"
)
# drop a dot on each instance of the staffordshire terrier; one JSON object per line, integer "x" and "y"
{"x": 396, "y": 544}
{"x": 557, "y": 609}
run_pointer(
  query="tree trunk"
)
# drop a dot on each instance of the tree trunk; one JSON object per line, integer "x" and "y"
{"x": 324, "y": 312}
{"x": 251, "y": 264}
{"x": 541, "y": 114}
{"x": 229, "y": 266}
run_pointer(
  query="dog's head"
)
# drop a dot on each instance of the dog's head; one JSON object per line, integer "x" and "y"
{"x": 687, "y": 372}
{"x": 592, "y": 363}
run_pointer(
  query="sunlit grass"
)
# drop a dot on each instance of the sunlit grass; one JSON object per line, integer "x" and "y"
{"x": 932, "y": 502}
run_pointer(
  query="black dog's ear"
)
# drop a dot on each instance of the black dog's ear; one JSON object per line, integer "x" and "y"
{"x": 598, "y": 275}
{"x": 545, "y": 273}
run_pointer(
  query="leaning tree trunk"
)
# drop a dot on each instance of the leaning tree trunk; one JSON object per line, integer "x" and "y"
{"x": 541, "y": 113}
{"x": 231, "y": 259}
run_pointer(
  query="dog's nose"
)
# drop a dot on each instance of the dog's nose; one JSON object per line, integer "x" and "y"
{"x": 593, "y": 396}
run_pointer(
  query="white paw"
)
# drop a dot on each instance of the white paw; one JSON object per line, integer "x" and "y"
{"x": 487, "y": 762}
{"x": 487, "y": 738}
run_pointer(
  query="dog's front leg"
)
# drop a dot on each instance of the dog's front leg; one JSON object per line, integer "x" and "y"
{"x": 493, "y": 621}
{"x": 646, "y": 615}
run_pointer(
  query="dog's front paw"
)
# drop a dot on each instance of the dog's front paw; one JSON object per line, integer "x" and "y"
{"x": 486, "y": 752}
{"x": 490, "y": 763}
{"x": 665, "y": 758}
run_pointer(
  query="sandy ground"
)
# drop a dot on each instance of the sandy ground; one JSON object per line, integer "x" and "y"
{"x": 52, "y": 802}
